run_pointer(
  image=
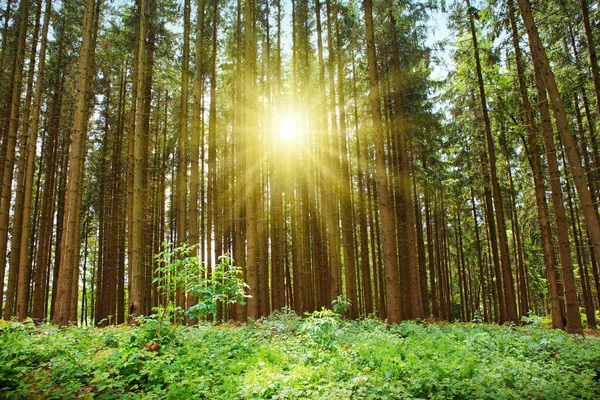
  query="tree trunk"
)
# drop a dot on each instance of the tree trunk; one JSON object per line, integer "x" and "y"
{"x": 392, "y": 282}
{"x": 574, "y": 161}
{"x": 538, "y": 176}
{"x": 252, "y": 161}
{"x": 507, "y": 278}
{"x": 70, "y": 238}
{"x": 10, "y": 139}
{"x": 564, "y": 246}
{"x": 136, "y": 294}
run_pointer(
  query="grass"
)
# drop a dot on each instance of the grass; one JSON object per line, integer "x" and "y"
{"x": 285, "y": 357}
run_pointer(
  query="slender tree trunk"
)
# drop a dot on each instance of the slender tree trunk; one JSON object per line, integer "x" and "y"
{"x": 14, "y": 278}
{"x": 277, "y": 211}
{"x": 240, "y": 156}
{"x": 194, "y": 213}
{"x": 538, "y": 176}
{"x": 390, "y": 266}
{"x": 51, "y": 161}
{"x": 480, "y": 263}
{"x": 136, "y": 294}
{"x": 252, "y": 161}
{"x": 409, "y": 272}
{"x": 430, "y": 246}
{"x": 564, "y": 246}
{"x": 589, "y": 35}
{"x": 361, "y": 214}
{"x": 562, "y": 124}
{"x": 507, "y": 278}
{"x": 70, "y": 238}
{"x": 11, "y": 137}
{"x": 346, "y": 190}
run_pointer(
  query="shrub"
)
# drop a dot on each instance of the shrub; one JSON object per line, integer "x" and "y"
{"x": 179, "y": 269}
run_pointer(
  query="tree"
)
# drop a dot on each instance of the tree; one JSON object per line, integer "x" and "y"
{"x": 69, "y": 261}
{"x": 392, "y": 284}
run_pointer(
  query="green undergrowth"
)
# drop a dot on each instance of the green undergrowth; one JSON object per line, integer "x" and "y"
{"x": 286, "y": 357}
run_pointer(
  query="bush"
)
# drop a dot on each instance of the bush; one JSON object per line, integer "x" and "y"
{"x": 179, "y": 269}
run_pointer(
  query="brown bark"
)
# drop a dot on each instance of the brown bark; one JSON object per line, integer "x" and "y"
{"x": 574, "y": 161}
{"x": 16, "y": 281}
{"x": 50, "y": 162}
{"x": 252, "y": 162}
{"x": 70, "y": 239}
{"x": 409, "y": 271}
{"x": 480, "y": 263}
{"x": 345, "y": 191}
{"x": 589, "y": 35}
{"x": 430, "y": 246}
{"x": 564, "y": 246}
{"x": 10, "y": 139}
{"x": 26, "y": 234}
{"x": 392, "y": 282}
{"x": 507, "y": 277}
{"x": 361, "y": 212}
{"x": 136, "y": 295}
{"x": 538, "y": 176}
{"x": 194, "y": 213}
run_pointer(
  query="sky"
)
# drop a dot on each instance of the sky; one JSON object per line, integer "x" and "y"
{"x": 439, "y": 32}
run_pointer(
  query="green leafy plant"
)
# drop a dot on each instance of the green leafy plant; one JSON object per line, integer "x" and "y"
{"x": 532, "y": 319}
{"x": 320, "y": 326}
{"x": 341, "y": 305}
{"x": 180, "y": 269}
{"x": 279, "y": 322}
{"x": 325, "y": 357}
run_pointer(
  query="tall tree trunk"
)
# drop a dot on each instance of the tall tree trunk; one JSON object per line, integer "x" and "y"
{"x": 252, "y": 160}
{"x": 560, "y": 116}
{"x": 480, "y": 263}
{"x": 507, "y": 278}
{"x": 538, "y": 176}
{"x": 564, "y": 246}
{"x": 194, "y": 213}
{"x": 430, "y": 246}
{"x": 51, "y": 161}
{"x": 392, "y": 288}
{"x": 136, "y": 269}
{"x": 11, "y": 137}
{"x": 346, "y": 190}
{"x": 182, "y": 145}
{"x": 409, "y": 272}
{"x": 14, "y": 279}
{"x": 26, "y": 234}
{"x": 70, "y": 238}
{"x": 589, "y": 35}
{"x": 361, "y": 214}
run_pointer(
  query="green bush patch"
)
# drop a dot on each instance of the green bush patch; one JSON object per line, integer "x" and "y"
{"x": 284, "y": 356}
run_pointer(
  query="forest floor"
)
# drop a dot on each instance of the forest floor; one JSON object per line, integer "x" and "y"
{"x": 285, "y": 357}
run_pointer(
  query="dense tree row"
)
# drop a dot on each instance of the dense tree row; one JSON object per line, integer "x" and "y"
{"x": 308, "y": 139}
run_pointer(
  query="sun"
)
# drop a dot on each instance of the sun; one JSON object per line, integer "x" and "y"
{"x": 288, "y": 129}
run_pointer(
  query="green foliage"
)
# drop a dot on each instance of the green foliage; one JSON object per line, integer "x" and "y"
{"x": 341, "y": 305}
{"x": 321, "y": 327}
{"x": 321, "y": 356}
{"x": 532, "y": 319}
{"x": 281, "y": 322}
{"x": 179, "y": 269}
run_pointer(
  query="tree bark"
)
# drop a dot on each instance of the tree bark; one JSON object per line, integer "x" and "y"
{"x": 136, "y": 269}
{"x": 574, "y": 161}
{"x": 70, "y": 239}
{"x": 507, "y": 278}
{"x": 392, "y": 289}
{"x": 11, "y": 138}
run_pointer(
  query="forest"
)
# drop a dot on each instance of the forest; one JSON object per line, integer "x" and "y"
{"x": 290, "y": 186}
